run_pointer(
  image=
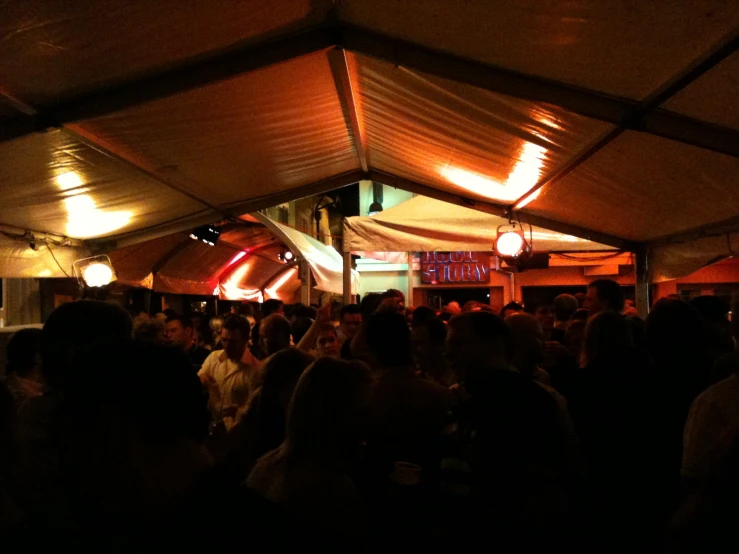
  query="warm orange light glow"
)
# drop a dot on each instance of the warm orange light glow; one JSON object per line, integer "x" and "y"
{"x": 530, "y": 198}
{"x": 524, "y": 175}
{"x": 509, "y": 244}
{"x": 543, "y": 235}
{"x": 85, "y": 219}
{"x": 69, "y": 180}
{"x": 284, "y": 278}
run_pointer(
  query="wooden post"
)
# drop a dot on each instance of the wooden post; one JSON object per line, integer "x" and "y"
{"x": 641, "y": 262}
{"x": 409, "y": 275}
{"x": 305, "y": 279}
{"x": 348, "y": 296}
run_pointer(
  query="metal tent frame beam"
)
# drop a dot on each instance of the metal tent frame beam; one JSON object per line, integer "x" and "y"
{"x": 223, "y": 65}
{"x": 342, "y": 79}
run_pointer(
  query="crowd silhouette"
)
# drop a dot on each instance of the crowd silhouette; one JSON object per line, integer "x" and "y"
{"x": 568, "y": 424}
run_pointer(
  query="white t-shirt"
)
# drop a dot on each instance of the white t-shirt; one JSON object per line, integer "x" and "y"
{"x": 234, "y": 382}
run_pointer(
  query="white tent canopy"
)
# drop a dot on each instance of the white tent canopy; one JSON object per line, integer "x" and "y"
{"x": 424, "y": 225}
{"x": 120, "y": 122}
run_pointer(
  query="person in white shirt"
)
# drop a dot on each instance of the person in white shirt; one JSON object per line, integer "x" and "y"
{"x": 231, "y": 375}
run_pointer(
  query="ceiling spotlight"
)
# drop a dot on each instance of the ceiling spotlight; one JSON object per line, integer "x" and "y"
{"x": 207, "y": 234}
{"x": 512, "y": 247}
{"x": 95, "y": 272}
{"x": 286, "y": 255}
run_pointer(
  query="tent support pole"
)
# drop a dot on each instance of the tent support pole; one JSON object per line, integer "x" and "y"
{"x": 642, "y": 283}
{"x": 304, "y": 283}
{"x": 348, "y": 298}
{"x": 409, "y": 274}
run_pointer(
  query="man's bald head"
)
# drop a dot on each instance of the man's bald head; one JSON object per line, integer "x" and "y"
{"x": 274, "y": 334}
{"x": 528, "y": 341}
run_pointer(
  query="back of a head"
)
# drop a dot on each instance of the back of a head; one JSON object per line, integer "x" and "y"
{"x": 608, "y": 340}
{"x": 79, "y": 326}
{"x": 610, "y": 293}
{"x": 581, "y": 314}
{"x": 349, "y": 309}
{"x": 392, "y": 293}
{"x": 325, "y": 407}
{"x": 511, "y": 306}
{"x": 23, "y": 351}
{"x": 238, "y": 323}
{"x": 565, "y": 305}
{"x": 300, "y": 328}
{"x": 281, "y": 368}
{"x": 370, "y": 303}
{"x": 168, "y": 404}
{"x": 271, "y": 306}
{"x": 675, "y": 334}
{"x": 185, "y": 321}
{"x": 470, "y": 306}
{"x": 278, "y": 325}
{"x": 421, "y": 315}
{"x": 216, "y": 324}
{"x": 436, "y": 330}
{"x": 389, "y": 339}
{"x": 487, "y": 329}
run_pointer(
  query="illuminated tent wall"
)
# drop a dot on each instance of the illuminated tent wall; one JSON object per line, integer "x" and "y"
{"x": 122, "y": 123}
{"x": 243, "y": 265}
{"x": 425, "y": 225}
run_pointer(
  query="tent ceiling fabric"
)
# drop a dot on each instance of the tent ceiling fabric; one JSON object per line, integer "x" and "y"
{"x": 474, "y": 142}
{"x": 643, "y": 187}
{"x": 712, "y": 97}
{"x": 52, "y": 50}
{"x": 202, "y": 142}
{"x": 626, "y": 49}
{"x": 267, "y": 131}
{"x": 424, "y": 224}
{"x": 50, "y": 182}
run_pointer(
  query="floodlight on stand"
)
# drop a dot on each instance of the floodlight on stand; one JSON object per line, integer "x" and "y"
{"x": 512, "y": 247}
{"x": 208, "y": 234}
{"x": 94, "y": 273}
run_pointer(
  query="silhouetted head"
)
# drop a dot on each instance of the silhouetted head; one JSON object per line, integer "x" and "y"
{"x": 235, "y": 336}
{"x": 608, "y": 340}
{"x": 510, "y": 309}
{"x": 76, "y": 327}
{"x": 350, "y": 319}
{"x": 274, "y": 334}
{"x": 478, "y": 341}
{"x": 528, "y": 342}
{"x": 328, "y": 410}
{"x": 565, "y": 305}
{"x": 604, "y": 294}
{"x": 23, "y": 352}
{"x": 389, "y": 339}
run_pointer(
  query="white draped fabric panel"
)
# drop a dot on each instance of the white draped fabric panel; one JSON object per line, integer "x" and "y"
{"x": 424, "y": 225}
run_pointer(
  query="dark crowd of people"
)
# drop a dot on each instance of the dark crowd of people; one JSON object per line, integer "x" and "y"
{"x": 570, "y": 425}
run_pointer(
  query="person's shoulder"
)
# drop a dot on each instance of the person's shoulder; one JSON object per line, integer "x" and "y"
{"x": 200, "y": 354}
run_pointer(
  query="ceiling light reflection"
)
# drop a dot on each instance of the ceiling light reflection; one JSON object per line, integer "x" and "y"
{"x": 523, "y": 176}
{"x": 284, "y": 278}
{"x": 69, "y": 180}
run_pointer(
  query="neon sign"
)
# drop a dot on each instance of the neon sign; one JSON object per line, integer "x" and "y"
{"x": 455, "y": 267}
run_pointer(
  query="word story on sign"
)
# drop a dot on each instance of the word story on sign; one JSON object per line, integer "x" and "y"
{"x": 455, "y": 267}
